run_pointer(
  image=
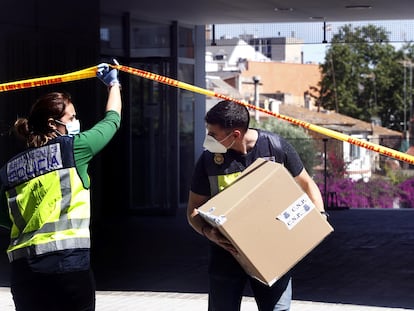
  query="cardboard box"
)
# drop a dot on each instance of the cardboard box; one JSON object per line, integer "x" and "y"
{"x": 269, "y": 219}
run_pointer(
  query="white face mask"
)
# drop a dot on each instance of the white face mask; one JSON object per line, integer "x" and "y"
{"x": 215, "y": 146}
{"x": 72, "y": 127}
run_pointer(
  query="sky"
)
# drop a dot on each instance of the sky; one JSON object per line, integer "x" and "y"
{"x": 312, "y": 33}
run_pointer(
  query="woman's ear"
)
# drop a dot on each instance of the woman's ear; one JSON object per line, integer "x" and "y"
{"x": 51, "y": 123}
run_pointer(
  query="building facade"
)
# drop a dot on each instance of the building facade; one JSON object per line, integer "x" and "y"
{"x": 280, "y": 49}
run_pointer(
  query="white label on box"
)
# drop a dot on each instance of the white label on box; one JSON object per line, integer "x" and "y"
{"x": 213, "y": 219}
{"x": 296, "y": 211}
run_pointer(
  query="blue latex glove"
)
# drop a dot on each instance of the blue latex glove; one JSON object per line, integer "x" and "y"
{"x": 107, "y": 75}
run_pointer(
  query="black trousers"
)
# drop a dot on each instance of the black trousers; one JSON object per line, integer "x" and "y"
{"x": 34, "y": 291}
{"x": 227, "y": 281}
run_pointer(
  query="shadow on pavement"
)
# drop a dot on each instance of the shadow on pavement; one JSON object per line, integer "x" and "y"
{"x": 368, "y": 260}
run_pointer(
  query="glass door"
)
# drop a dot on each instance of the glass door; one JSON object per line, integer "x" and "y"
{"x": 154, "y": 139}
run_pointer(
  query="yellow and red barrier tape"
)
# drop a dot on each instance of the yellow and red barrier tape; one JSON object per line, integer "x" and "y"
{"x": 73, "y": 76}
{"x": 328, "y": 132}
{"x": 91, "y": 72}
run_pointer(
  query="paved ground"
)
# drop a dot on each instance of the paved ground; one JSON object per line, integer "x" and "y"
{"x": 158, "y": 263}
{"x": 153, "y": 301}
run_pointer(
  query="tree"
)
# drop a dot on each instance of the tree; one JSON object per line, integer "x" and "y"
{"x": 363, "y": 76}
{"x": 407, "y": 51}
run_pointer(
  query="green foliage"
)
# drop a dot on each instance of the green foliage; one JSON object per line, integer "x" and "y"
{"x": 395, "y": 176}
{"x": 363, "y": 75}
{"x": 296, "y": 136}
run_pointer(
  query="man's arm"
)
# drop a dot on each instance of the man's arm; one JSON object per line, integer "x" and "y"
{"x": 201, "y": 226}
{"x": 309, "y": 186}
{"x": 195, "y": 201}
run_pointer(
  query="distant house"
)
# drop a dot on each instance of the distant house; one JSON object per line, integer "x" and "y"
{"x": 286, "y": 80}
{"x": 360, "y": 162}
{"x": 231, "y": 55}
{"x": 280, "y": 49}
{"x": 218, "y": 85}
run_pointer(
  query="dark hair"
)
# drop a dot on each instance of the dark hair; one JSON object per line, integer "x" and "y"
{"x": 35, "y": 128}
{"x": 229, "y": 115}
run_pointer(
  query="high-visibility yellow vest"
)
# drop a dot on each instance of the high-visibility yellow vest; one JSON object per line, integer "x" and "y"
{"x": 220, "y": 182}
{"x": 48, "y": 204}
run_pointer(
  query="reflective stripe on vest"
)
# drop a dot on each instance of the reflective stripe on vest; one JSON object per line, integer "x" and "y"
{"x": 66, "y": 225}
{"x": 14, "y": 209}
{"x": 33, "y": 250}
{"x": 50, "y": 212}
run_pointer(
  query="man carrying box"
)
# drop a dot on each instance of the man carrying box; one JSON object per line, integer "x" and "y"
{"x": 231, "y": 146}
